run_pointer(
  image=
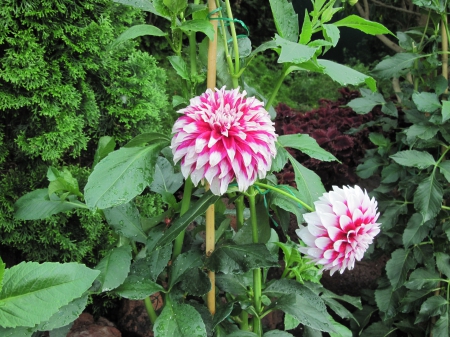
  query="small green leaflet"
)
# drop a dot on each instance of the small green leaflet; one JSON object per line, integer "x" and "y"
{"x": 366, "y": 26}
{"x": 307, "y": 145}
{"x": 426, "y": 101}
{"x": 394, "y": 66}
{"x": 136, "y": 31}
{"x": 414, "y": 158}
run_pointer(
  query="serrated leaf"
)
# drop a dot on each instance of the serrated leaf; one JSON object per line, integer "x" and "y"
{"x": 184, "y": 262}
{"x": 144, "y": 5}
{"x": 203, "y": 26}
{"x": 307, "y": 145}
{"x": 236, "y": 285}
{"x": 48, "y": 286}
{"x": 445, "y": 111}
{"x": 444, "y": 168}
{"x": 285, "y": 18}
{"x": 238, "y": 259}
{"x": 345, "y": 75}
{"x": 389, "y": 109}
{"x": 414, "y": 158}
{"x": 121, "y": 176}
{"x": 366, "y": 26}
{"x": 422, "y": 278}
{"x": 39, "y": 205}
{"x": 280, "y": 159}
{"x": 331, "y": 33}
{"x": 396, "y": 65}
{"x": 390, "y": 215}
{"x": 442, "y": 326}
{"x": 136, "y": 31}
{"x": 180, "y": 66}
{"x": 387, "y": 301}
{"x": 443, "y": 263}
{"x": 176, "y": 6}
{"x": 179, "y": 320}
{"x": 362, "y": 105}
{"x": 164, "y": 179}
{"x": 65, "y": 315}
{"x": 426, "y": 101}
{"x": 433, "y": 306}
{"x": 415, "y": 230}
{"x": 126, "y": 221}
{"x": 105, "y": 145}
{"x": 151, "y": 266}
{"x": 376, "y": 330}
{"x": 428, "y": 197}
{"x": 136, "y": 287}
{"x": 398, "y": 266}
{"x": 114, "y": 267}
{"x": 420, "y": 131}
{"x": 306, "y": 33}
{"x": 292, "y": 52}
{"x": 195, "y": 282}
{"x": 369, "y": 167}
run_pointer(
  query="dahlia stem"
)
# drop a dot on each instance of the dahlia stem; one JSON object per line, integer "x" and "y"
{"x": 210, "y": 228}
{"x": 257, "y": 329}
{"x": 150, "y": 310}
{"x": 239, "y": 203}
{"x": 286, "y": 194}
{"x": 234, "y": 36}
{"x": 185, "y": 202}
{"x": 277, "y": 87}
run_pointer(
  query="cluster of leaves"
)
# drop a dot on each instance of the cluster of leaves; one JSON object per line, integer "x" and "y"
{"x": 414, "y": 175}
{"x": 61, "y": 88}
{"x": 337, "y": 129}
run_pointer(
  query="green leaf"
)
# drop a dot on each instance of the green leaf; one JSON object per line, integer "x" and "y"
{"x": 180, "y": 67}
{"x": 203, "y": 26}
{"x": 387, "y": 301}
{"x": 136, "y": 287}
{"x": 151, "y": 266}
{"x": 136, "y": 31}
{"x": 105, "y": 145}
{"x": 222, "y": 313}
{"x": 369, "y": 167}
{"x": 398, "y": 266}
{"x": 2, "y": 273}
{"x": 39, "y": 205}
{"x": 420, "y": 131}
{"x": 443, "y": 263}
{"x": 331, "y": 34}
{"x": 413, "y": 158}
{"x": 395, "y": 66}
{"x": 238, "y": 259}
{"x": 366, "y": 26}
{"x": 390, "y": 215}
{"x": 148, "y": 139}
{"x": 244, "y": 235}
{"x": 422, "y": 278}
{"x": 277, "y": 333}
{"x": 341, "y": 330}
{"x": 114, "y": 267}
{"x": 345, "y": 75}
{"x": 286, "y": 203}
{"x": 415, "y": 231}
{"x": 280, "y": 159}
{"x": 389, "y": 109}
{"x": 285, "y": 18}
{"x": 428, "y": 197}
{"x": 144, "y": 5}
{"x": 17, "y": 332}
{"x": 236, "y": 285}
{"x": 310, "y": 332}
{"x": 376, "y": 330}
{"x": 195, "y": 282}
{"x": 121, "y": 176}
{"x": 179, "y": 320}
{"x": 442, "y": 326}
{"x": 164, "y": 179}
{"x": 65, "y": 315}
{"x": 48, "y": 287}
{"x": 184, "y": 262}
{"x": 433, "y": 306}
{"x": 445, "y": 111}
{"x": 182, "y": 222}
{"x": 290, "y": 322}
{"x": 426, "y": 101}
{"x": 379, "y": 140}
{"x": 292, "y": 52}
{"x": 62, "y": 182}
{"x": 444, "y": 168}
{"x": 306, "y": 34}
{"x": 126, "y": 221}
{"x": 308, "y": 183}
{"x": 307, "y": 145}
{"x": 365, "y": 104}
{"x": 176, "y": 6}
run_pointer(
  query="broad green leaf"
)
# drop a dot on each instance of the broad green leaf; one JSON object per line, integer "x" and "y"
{"x": 126, "y": 221}
{"x": 2, "y": 273}
{"x": 420, "y": 131}
{"x": 151, "y": 266}
{"x": 180, "y": 66}
{"x": 244, "y": 235}
{"x": 176, "y": 6}
{"x": 105, "y": 145}
{"x": 62, "y": 182}
{"x": 369, "y": 167}
{"x": 244, "y": 47}
{"x": 387, "y": 301}
{"x": 290, "y": 322}
{"x": 195, "y": 282}
{"x": 277, "y": 333}
{"x": 184, "y": 262}
{"x": 422, "y": 278}
{"x": 17, "y": 332}
{"x": 389, "y": 216}
{"x": 433, "y": 306}
{"x": 426, "y": 101}
{"x": 148, "y": 138}
{"x": 379, "y": 140}
{"x": 62, "y": 331}
{"x": 415, "y": 231}
{"x": 203, "y": 26}
{"x": 286, "y": 203}
{"x": 305, "y": 35}
{"x": 362, "y": 105}
{"x": 331, "y": 33}
{"x": 366, "y": 26}
{"x": 222, "y": 313}
{"x": 308, "y": 183}
{"x": 182, "y": 222}
{"x": 443, "y": 263}
{"x": 114, "y": 267}
{"x": 240, "y": 333}
{"x": 341, "y": 330}
{"x": 444, "y": 168}
{"x": 48, "y": 287}
{"x": 264, "y": 46}
{"x": 414, "y": 158}
{"x": 293, "y": 52}
{"x": 310, "y": 332}
{"x": 236, "y": 285}
{"x": 395, "y": 66}
{"x": 136, "y": 31}
{"x": 136, "y": 287}
{"x": 39, "y": 205}
{"x": 376, "y": 330}
{"x": 398, "y": 266}
{"x": 307, "y": 145}
{"x": 338, "y": 308}
{"x": 65, "y": 315}
{"x": 121, "y": 176}
{"x": 179, "y": 320}
{"x": 238, "y": 259}
{"x": 445, "y": 111}
{"x": 345, "y": 75}
{"x": 428, "y": 197}
{"x": 442, "y": 326}
{"x": 280, "y": 159}
{"x": 164, "y": 179}
{"x": 285, "y": 18}
{"x": 144, "y": 5}
{"x": 389, "y": 109}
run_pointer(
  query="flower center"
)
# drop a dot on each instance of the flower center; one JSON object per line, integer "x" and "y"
{"x": 223, "y": 119}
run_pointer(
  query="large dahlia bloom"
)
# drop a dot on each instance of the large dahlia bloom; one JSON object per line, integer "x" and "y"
{"x": 341, "y": 229}
{"x": 223, "y": 136}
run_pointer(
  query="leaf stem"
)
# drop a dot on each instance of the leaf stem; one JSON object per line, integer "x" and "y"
{"x": 277, "y": 87}
{"x": 185, "y": 202}
{"x": 150, "y": 310}
{"x": 234, "y": 36}
{"x": 286, "y": 194}
{"x": 239, "y": 203}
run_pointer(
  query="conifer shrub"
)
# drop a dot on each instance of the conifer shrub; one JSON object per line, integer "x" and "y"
{"x": 62, "y": 87}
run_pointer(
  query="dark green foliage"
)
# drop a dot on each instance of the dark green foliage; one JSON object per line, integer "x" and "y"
{"x": 61, "y": 88}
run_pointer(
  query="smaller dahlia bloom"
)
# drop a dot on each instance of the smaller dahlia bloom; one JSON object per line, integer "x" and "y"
{"x": 341, "y": 228}
{"x": 223, "y": 136}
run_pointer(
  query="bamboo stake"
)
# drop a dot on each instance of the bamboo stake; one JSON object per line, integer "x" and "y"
{"x": 210, "y": 229}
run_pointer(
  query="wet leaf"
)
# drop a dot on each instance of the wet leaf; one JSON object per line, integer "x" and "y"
{"x": 179, "y": 320}
{"x": 114, "y": 267}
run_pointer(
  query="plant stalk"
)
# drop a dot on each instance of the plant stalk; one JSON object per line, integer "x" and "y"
{"x": 277, "y": 87}
{"x": 150, "y": 310}
{"x": 286, "y": 194}
{"x": 239, "y": 203}
{"x": 444, "y": 46}
{"x": 185, "y": 202}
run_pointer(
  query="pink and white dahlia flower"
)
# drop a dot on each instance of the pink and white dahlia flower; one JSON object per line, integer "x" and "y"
{"x": 223, "y": 136}
{"x": 341, "y": 229}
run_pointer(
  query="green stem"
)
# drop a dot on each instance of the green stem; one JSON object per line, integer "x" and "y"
{"x": 277, "y": 87}
{"x": 257, "y": 278}
{"x": 286, "y": 194}
{"x": 185, "y": 202}
{"x": 243, "y": 324}
{"x": 234, "y": 36}
{"x": 150, "y": 310}
{"x": 239, "y": 203}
